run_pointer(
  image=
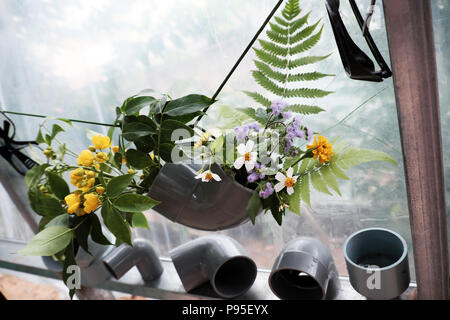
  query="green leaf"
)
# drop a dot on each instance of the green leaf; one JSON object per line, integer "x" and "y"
{"x": 48, "y": 242}
{"x": 118, "y": 184}
{"x": 252, "y": 114}
{"x": 254, "y": 205}
{"x": 304, "y": 33}
{"x": 58, "y": 185}
{"x": 169, "y": 126}
{"x": 69, "y": 260}
{"x": 306, "y": 60}
{"x": 82, "y": 233}
{"x": 139, "y": 221}
{"x": 116, "y": 224}
{"x": 43, "y": 204}
{"x": 118, "y": 160}
{"x": 304, "y": 190}
{"x": 33, "y": 176}
{"x": 96, "y": 231}
{"x": 272, "y": 48}
{"x": 60, "y": 220}
{"x": 304, "y": 109}
{"x": 319, "y": 183}
{"x": 138, "y": 159}
{"x": 352, "y": 157}
{"x": 55, "y": 130}
{"x": 165, "y": 151}
{"x": 330, "y": 179}
{"x": 40, "y": 138}
{"x": 337, "y": 171}
{"x": 217, "y": 145}
{"x": 187, "y": 105}
{"x": 307, "y": 44}
{"x": 134, "y": 203}
{"x": 135, "y": 130}
{"x": 259, "y": 98}
{"x": 136, "y": 104}
{"x": 308, "y": 76}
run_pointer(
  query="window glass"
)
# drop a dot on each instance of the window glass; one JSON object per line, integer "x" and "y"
{"x": 80, "y": 59}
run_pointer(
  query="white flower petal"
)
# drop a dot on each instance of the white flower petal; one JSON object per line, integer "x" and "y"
{"x": 290, "y": 171}
{"x": 199, "y": 176}
{"x": 215, "y": 132}
{"x": 279, "y": 186}
{"x": 204, "y": 179}
{"x": 280, "y": 177}
{"x": 254, "y": 155}
{"x": 239, "y": 162}
{"x": 216, "y": 177}
{"x": 295, "y": 178}
{"x": 249, "y": 146}
{"x": 241, "y": 149}
{"x": 290, "y": 190}
{"x": 249, "y": 165}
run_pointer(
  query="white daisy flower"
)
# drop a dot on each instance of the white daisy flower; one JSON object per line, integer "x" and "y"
{"x": 286, "y": 181}
{"x": 207, "y": 176}
{"x": 247, "y": 156}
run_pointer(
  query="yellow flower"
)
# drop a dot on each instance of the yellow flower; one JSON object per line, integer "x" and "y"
{"x": 101, "y": 142}
{"x": 86, "y": 158}
{"x": 115, "y": 149}
{"x": 203, "y": 140}
{"x": 73, "y": 202}
{"x": 321, "y": 149}
{"x": 152, "y": 155}
{"x": 100, "y": 190}
{"x": 130, "y": 171}
{"x": 90, "y": 202}
{"x": 86, "y": 184}
{"x": 124, "y": 160}
{"x": 101, "y": 157}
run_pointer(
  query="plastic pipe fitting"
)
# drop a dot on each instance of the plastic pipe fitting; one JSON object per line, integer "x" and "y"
{"x": 218, "y": 259}
{"x": 120, "y": 260}
{"x": 305, "y": 269}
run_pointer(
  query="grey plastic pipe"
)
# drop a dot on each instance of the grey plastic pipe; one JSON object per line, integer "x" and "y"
{"x": 305, "y": 270}
{"x": 377, "y": 263}
{"x": 120, "y": 260}
{"x": 208, "y": 206}
{"x": 218, "y": 259}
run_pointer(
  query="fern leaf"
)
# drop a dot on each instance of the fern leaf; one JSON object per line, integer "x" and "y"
{"x": 305, "y": 93}
{"x": 273, "y": 48}
{"x": 352, "y": 157}
{"x": 250, "y": 112}
{"x": 305, "y": 61}
{"x": 337, "y": 171}
{"x": 281, "y": 22}
{"x": 259, "y": 98}
{"x": 271, "y": 59}
{"x": 330, "y": 179}
{"x": 277, "y": 29}
{"x": 291, "y": 10}
{"x": 319, "y": 183}
{"x": 305, "y": 109}
{"x": 297, "y": 24}
{"x": 307, "y": 44}
{"x": 304, "y": 33}
{"x": 308, "y": 76}
{"x": 304, "y": 190}
{"x": 269, "y": 72}
{"x": 276, "y": 37}
{"x": 267, "y": 84}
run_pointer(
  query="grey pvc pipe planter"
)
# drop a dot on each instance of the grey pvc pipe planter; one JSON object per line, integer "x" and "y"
{"x": 217, "y": 259}
{"x": 305, "y": 270}
{"x": 142, "y": 255}
{"x": 377, "y": 263}
{"x": 208, "y": 206}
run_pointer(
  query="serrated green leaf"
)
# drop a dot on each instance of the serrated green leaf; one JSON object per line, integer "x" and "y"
{"x": 48, "y": 242}
{"x": 319, "y": 183}
{"x": 259, "y": 98}
{"x": 304, "y": 33}
{"x": 307, "y": 44}
{"x": 304, "y": 109}
{"x": 306, "y": 61}
{"x": 272, "y": 48}
{"x": 337, "y": 171}
{"x": 304, "y": 190}
{"x": 117, "y": 185}
{"x": 134, "y": 203}
{"x": 352, "y": 157}
{"x": 308, "y": 76}
{"x": 330, "y": 179}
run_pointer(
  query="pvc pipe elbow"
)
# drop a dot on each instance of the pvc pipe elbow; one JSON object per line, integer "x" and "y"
{"x": 142, "y": 255}
{"x": 218, "y": 259}
{"x": 304, "y": 269}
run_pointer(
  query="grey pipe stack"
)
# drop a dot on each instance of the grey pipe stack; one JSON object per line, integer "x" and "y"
{"x": 208, "y": 206}
{"x": 142, "y": 255}
{"x": 218, "y": 259}
{"x": 305, "y": 269}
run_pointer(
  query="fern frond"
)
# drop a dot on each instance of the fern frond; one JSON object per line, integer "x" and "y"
{"x": 306, "y": 93}
{"x": 259, "y": 98}
{"x": 269, "y": 72}
{"x": 266, "y": 83}
{"x": 319, "y": 183}
{"x": 330, "y": 179}
{"x": 309, "y": 76}
{"x": 252, "y": 114}
{"x": 278, "y": 29}
{"x": 297, "y": 24}
{"x": 307, "y": 44}
{"x": 276, "y": 37}
{"x": 291, "y": 10}
{"x": 281, "y": 22}
{"x": 304, "y": 33}
{"x": 304, "y": 109}
{"x": 305, "y": 61}
{"x": 273, "y": 48}
{"x": 270, "y": 59}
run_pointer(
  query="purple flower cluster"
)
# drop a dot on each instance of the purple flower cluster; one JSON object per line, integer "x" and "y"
{"x": 278, "y": 106}
{"x": 256, "y": 174}
{"x": 296, "y": 130}
{"x": 268, "y": 192}
{"x": 242, "y": 132}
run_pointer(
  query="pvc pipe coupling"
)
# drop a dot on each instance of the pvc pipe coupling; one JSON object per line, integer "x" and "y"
{"x": 305, "y": 269}
{"x": 142, "y": 255}
{"x": 205, "y": 206}
{"x": 217, "y": 259}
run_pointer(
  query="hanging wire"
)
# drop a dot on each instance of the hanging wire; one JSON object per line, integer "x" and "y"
{"x": 269, "y": 17}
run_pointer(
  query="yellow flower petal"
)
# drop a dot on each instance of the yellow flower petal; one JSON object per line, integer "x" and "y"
{"x": 86, "y": 158}
{"x": 101, "y": 142}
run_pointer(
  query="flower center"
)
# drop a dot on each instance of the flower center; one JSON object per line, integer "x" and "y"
{"x": 289, "y": 182}
{"x": 208, "y": 176}
{"x": 248, "y": 156}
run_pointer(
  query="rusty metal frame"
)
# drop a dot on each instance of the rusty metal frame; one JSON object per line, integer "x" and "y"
{"x": 411, "y": 44}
